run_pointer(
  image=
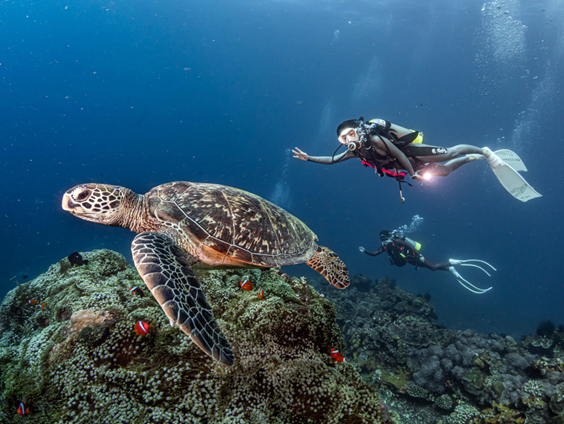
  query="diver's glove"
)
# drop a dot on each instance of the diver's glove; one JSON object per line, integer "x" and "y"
{"x": 465, "y": 283}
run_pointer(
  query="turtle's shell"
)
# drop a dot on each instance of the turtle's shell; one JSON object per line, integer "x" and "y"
{"x": 231, "y": 227}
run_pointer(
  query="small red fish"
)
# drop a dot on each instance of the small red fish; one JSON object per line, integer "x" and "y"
{"x": 336, "y": 355}
{"x": 23, "y": 409}
{"x": 32, "y": 301}
{"x": 42, "y": 305}
{"x": 141, "y": 328}
{"x": 246, "y": 285}
{"x": 136, "y": 291}
{"x": 261, "y": 294}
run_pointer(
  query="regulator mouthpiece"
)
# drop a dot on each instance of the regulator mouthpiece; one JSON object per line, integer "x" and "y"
{"x": 352, "y": 146}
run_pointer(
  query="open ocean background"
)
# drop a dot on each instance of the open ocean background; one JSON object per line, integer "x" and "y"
{"x": 147, "y": 92}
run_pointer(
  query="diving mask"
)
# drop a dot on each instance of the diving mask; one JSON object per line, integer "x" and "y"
{"x": 350, "y": 138}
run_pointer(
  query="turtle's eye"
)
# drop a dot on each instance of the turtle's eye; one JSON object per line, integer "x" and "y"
{"x": 83, "y": 195}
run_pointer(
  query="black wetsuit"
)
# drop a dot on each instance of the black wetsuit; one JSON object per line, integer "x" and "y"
{"x": 388, "y": 155}
{"x": 401, "y": 252}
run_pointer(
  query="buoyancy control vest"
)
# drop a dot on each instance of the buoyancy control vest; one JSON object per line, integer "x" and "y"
{"x": 366, "y": 152}
{"x": 400, "y": 255}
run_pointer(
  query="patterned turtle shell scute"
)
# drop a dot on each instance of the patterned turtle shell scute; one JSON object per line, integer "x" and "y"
{"x": 233, "y": 222}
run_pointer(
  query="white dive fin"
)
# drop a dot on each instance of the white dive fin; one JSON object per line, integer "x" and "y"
{"x": 511, "y": 158}
{"x": 466, "y": 284}
{"x": 511, "y": 180}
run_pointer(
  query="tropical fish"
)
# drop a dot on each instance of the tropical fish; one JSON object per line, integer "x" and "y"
{"x": 336, "y": 355}
{"x": 136, "y": 291}
{"x": 141, "y": 328}
{"x": 42, "y": 305}
{"x": 76, "y": 259}
{"x": 32, "y": 301}
{"x": 23, "y": 409}
{"x": 246, "y": 285}
{"x": 261, "y": 294}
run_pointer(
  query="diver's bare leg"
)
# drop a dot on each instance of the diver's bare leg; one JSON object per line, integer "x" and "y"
{"x": 442, "y": 170}
{"x": 441, "y": 266}
{"x": 444, "y": 153}
{"x": 423, "y": 262}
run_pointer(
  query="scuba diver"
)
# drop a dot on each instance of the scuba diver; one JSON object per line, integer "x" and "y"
{"x": 402, "y": 250}
{"x": 395, "y": 151}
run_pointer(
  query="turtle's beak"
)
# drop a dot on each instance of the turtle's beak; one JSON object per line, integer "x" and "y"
{"x": 70, "y": 206}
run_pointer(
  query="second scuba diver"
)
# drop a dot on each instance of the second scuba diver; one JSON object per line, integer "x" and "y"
{"x": 390, "y": 150}
{"x": 402, "y": 250}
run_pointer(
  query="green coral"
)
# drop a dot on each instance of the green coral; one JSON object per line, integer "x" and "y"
{"x": 557, "y": 400}
{"x": 282, "y": 373}
{"x": 473, "y": 380}
{"x": 499, "y": 414}
{"x": 534, "y": 388}
{"x": 462, "y": 414}
{"x": 396, "y": 378}
{"x": 416, "y": 391}
{"x": 444, "y": 402}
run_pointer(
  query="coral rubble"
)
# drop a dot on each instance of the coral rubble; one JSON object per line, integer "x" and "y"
{"x": 79, "y": 360}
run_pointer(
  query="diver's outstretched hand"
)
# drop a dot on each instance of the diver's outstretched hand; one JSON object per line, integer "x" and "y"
{"x": 298, "y": 154}
{"x": 361, "y": 249}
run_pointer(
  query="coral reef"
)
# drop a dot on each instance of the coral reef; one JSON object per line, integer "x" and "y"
{"x": 73, "y": 356}
{"x": 431, "y": 374}
{"x": 79, "y": 360}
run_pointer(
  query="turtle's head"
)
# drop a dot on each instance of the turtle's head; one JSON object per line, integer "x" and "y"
{"x": 101, "y": 203}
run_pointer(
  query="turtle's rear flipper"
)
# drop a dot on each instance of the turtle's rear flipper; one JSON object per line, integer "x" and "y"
{"x": 328, "y": 264}
{"x": 166, "y": 271}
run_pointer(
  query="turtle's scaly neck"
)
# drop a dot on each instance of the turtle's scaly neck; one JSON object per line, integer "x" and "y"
{"x": 136, "y": 217}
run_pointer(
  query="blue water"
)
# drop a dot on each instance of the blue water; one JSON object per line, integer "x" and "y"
{"x": 142, "y": 93}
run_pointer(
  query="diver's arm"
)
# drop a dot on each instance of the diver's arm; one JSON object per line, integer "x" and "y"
{"x": 325, "y": 160}
{"x": 379, "y": 251}
{"x": 397, "y": 153}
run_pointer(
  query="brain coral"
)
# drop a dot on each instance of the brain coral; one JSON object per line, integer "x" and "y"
{"x": 100, "y": 370}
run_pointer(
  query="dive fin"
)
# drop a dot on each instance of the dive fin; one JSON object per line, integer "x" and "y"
{"x": 511, "y": 180}
{"x": 512, "y": 159}
{"x": 466, "y": 284}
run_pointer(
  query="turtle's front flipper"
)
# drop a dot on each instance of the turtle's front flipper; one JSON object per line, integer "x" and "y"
{"x": 166, "y": 271}
{"x": 328, "y": 264}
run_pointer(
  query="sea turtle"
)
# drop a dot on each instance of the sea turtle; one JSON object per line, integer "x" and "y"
{"x": 183, "y": 224}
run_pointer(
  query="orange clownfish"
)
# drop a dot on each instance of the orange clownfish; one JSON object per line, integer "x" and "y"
{"x": 32, "y": 301}
{"x": 261, "y": 294}
{"x": 246, "y": 285}
{"x": 42, "y": 305}
{"x": 336, "y": 355}
{"x": 141, "y": 328}
{"x": 23, "y": 409}
{"x": 137, "y": 291}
